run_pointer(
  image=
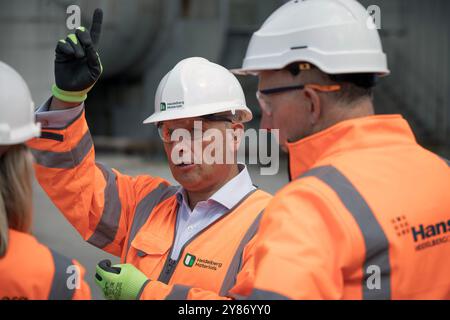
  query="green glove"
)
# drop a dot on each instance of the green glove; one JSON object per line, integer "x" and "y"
{"x": 77, "y": 63}
{"x": 119, "y": 282}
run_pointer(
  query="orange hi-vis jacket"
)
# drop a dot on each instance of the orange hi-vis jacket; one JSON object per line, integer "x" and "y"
{"x": 135, "y": 218}
{"x": 367, "y": 217}
{"x": 32, "y": 271}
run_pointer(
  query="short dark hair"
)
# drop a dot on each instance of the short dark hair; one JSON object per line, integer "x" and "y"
{"x": 354, "y": 86}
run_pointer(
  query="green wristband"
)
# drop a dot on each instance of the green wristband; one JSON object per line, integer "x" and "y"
{"x": 69, "y": 96}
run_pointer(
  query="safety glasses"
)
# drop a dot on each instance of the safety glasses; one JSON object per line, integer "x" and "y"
{"x": 165, "y": 130}
{"x": 261, "y": 95}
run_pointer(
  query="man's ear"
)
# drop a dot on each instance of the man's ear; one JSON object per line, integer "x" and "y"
{"x": 314, "y": 104}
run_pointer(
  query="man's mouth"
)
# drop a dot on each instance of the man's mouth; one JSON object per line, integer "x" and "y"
{"x": 181, "y": 165}
{"x": 184, "y": 164}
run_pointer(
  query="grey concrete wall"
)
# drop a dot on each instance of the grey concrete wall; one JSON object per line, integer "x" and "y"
{"x": 416, "y": 37}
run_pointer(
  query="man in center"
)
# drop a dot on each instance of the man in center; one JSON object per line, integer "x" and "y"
{"x": 192, "y": 241}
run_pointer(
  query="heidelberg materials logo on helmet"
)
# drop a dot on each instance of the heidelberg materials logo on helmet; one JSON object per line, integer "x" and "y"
{"x": 163, "y": 106}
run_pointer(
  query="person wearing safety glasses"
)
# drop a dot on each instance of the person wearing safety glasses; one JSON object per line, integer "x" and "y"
{"x": 175, "y": 242}
{"x": 367, "y": 214}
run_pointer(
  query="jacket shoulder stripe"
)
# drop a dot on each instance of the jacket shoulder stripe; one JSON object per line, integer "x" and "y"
{"x": 107, "y": 227}
{"x": 64, "y": 160}
{"x": 59, "y": 289}
{"x": 376, "y": 242}
{"x": 236, "y": 264}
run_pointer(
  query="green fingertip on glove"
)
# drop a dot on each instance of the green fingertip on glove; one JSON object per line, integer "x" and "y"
{"x": 120, "y": 281}
{"x": 73, "y": 37}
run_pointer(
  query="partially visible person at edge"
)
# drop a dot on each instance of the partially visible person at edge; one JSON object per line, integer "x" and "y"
{"x": 28, "y": 269}
{"x": 193, "y": 241}
{"x": 367, "y": 214}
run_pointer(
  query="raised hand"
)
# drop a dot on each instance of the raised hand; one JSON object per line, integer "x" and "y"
{"x": 77, "y": 63}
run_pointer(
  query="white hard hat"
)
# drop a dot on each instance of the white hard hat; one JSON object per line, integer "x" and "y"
{"x": 196, "y": 87}
{"x": 17, "y": 121}
{"x": 337, "y": 36}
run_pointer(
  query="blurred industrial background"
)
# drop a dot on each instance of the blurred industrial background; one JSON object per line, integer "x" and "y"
{"x": 157, "y": 34}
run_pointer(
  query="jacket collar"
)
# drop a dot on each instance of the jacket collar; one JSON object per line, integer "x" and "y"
{"x": 349, "y": 135}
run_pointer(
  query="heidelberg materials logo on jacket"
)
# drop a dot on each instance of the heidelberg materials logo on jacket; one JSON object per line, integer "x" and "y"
{"x": 192, "y": 261}
{"x": 189, "y": 260}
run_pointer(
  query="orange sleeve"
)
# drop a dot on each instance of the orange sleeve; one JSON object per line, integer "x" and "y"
{"x": 297, "y": 246}
{"x": 98, "y": 201}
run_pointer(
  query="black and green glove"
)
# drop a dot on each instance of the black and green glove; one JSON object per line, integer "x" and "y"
{"x": 120, "y": 281}
{"x": 77, "y": 63}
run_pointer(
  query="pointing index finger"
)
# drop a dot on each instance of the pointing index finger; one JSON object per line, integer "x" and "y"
{"x": 96, "y": 27}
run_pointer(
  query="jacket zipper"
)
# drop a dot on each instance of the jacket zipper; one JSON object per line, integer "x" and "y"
{"x": 170, "y": 264}
{"x": 168, "y": 268}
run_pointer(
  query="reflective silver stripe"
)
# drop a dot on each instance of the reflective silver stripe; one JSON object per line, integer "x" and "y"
{"x": 138, "y": 297}
{"x": 179, "y": 292}
{"x": 258, "y": 294}
{"x": 376, "y": 242}
{"x": 146, "y": 206}
{"x": 64, "y": 160}
{"x": 59, "y": 289}
{"x": 107, "y": 227}
{"x": 236, "y": 264}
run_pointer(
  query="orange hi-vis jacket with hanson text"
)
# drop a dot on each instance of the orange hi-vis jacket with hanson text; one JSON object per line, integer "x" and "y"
{"x": 367, "y": 217}
{"x": 135, "y": 219}
{"x": 32, "y": 271}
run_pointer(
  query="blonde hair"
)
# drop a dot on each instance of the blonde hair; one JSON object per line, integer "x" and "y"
{"x": 15, "y": 192}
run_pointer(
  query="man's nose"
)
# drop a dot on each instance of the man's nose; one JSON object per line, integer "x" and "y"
{"x": 184, "y": 145}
